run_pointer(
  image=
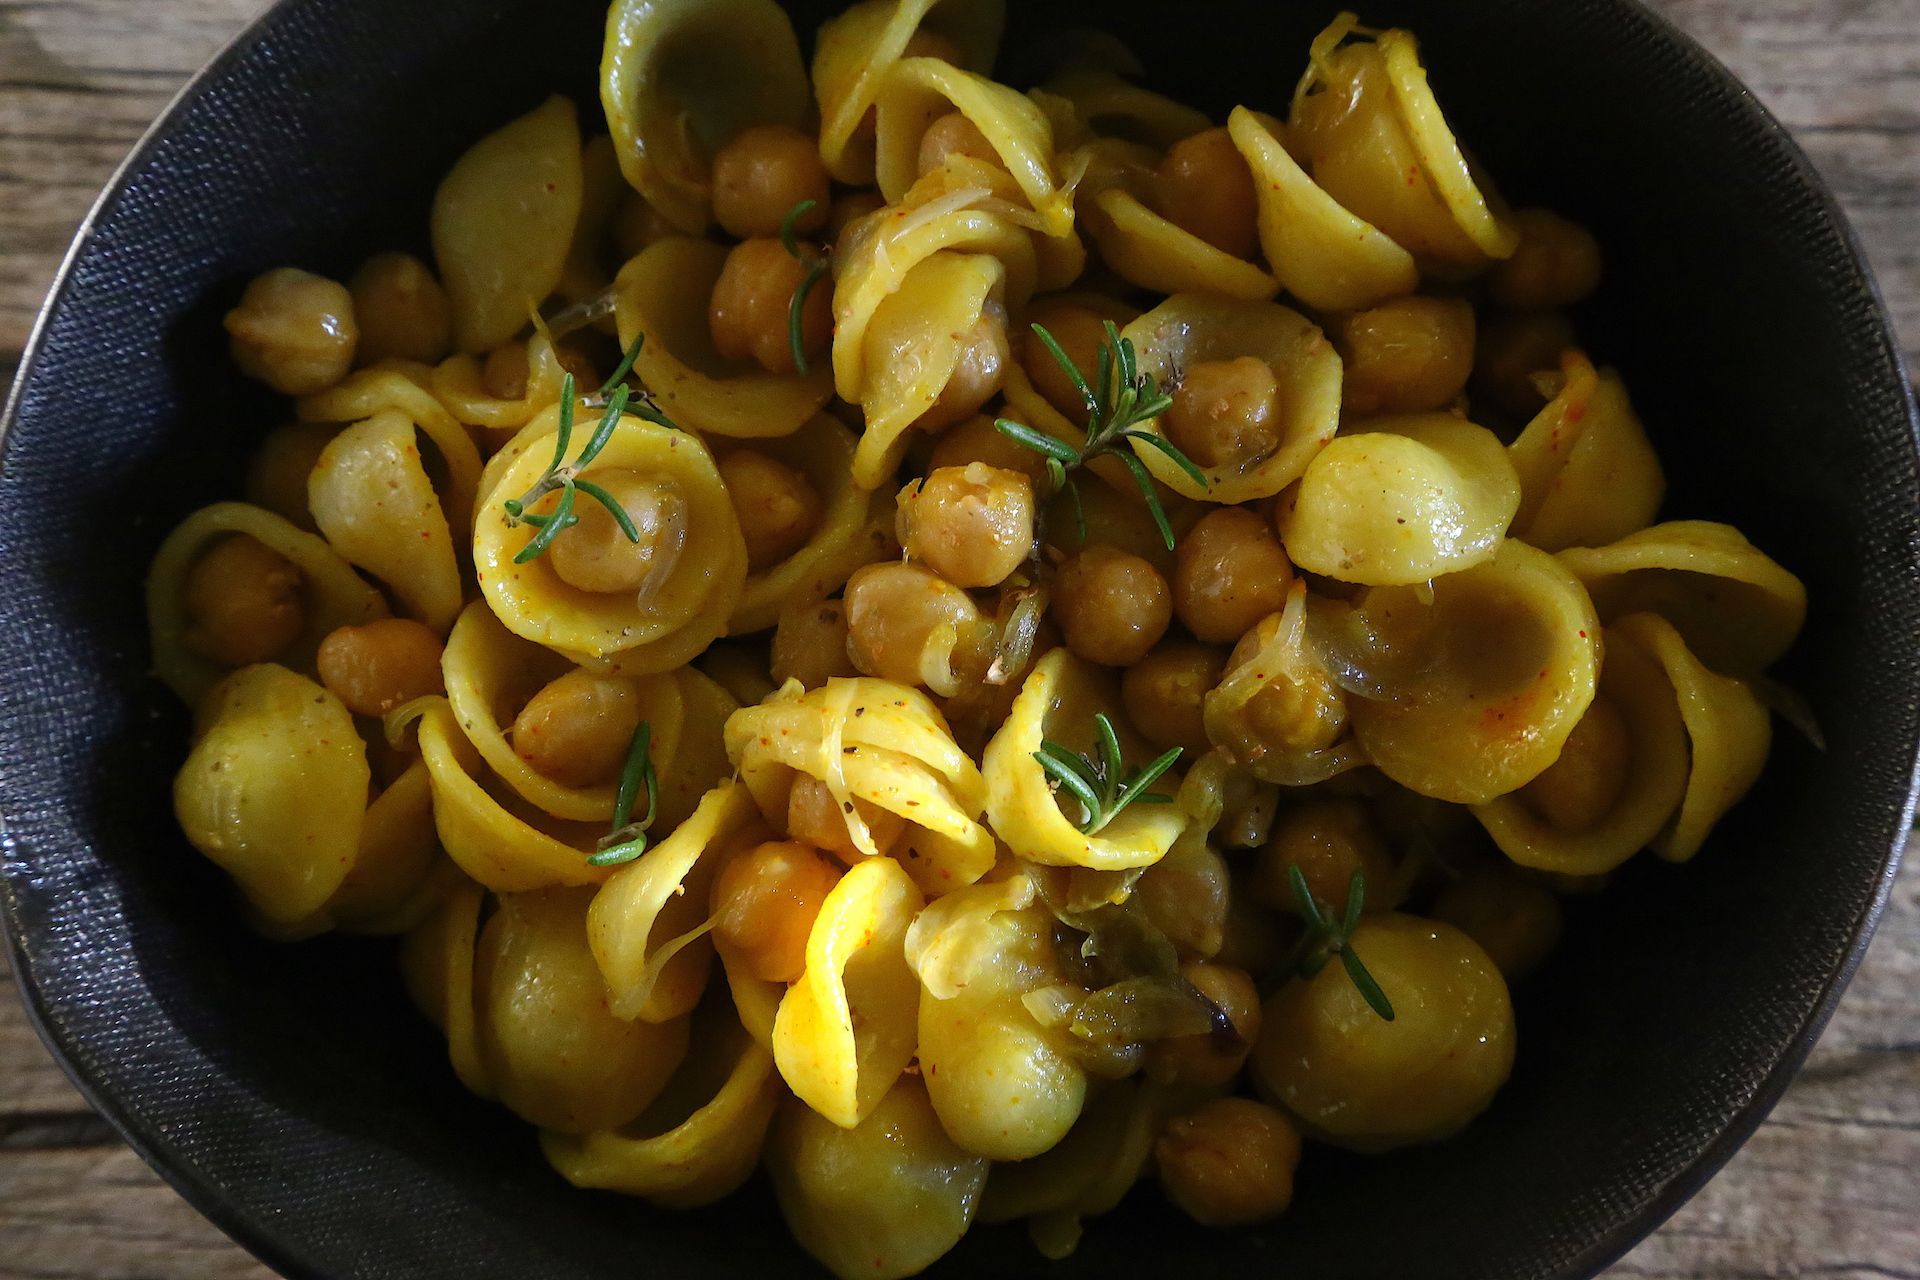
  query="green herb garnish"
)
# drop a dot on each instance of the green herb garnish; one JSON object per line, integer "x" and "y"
{"x": 628, "y": 839}
{"x": 1327, "y": 938}
{"x": 817, "y": 266}
{"x": 1119, "y": 398}
{"x": 1101, "y": 785}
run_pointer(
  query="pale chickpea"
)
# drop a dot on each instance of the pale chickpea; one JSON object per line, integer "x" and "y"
{"x": 777, "y": 505}
{"x": 848, "y": 209}
{"x": 1163, "y": 693}
{"x": 979, "y": 375}
{"x": 1409, "y": 355}
{"x": 1226, "y": 413}
{"x": 1079, "y": 330}
{"x": 760, "y": 174}
{"x": 1230, "y": 1163}
{"x": 1578, "y": 789}
{"x": 1304, "y": 711}
{"x": 972, "y": 525}
{"x": 294, "y": 331}
{"x": 1328, "y": 840}
{"x": 908, "y": 624}
{"x": 596, "y": 555}
{"x": 748, "y": 312}
{"x": 810, "y": 643}
{"x": 375, "y": 667}
{"x": 1185, "y": 896}
{"x": 1206, "y": 189}
{"x": 1556, "y": 265}
{"x": 764, "y": 903}
{"x": 1516, "y": 922}
{"x": 977, "y": 440}
{"x": 277, "y": 475}
{"x": 1112, "y": 606}
{"x": 1512, "y": 349}
{"x": 578, "y": 728}
{"x": 638, "y": 226}
{"x": 504, "y": 373}
{"x": 1211, "y": 1058}
{"x": 815, "y": 817}
{"x": 243, "y": 602}
{"x": 402, "y": 311}
{"x": 953, "y": 134}
{"x": 1230, "y": 571}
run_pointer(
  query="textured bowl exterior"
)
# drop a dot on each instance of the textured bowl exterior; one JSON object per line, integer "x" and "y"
{"x": 291, "y": 1094}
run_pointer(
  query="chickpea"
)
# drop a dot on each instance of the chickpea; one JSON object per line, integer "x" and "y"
{"x": 977, "y": 440}
{"x": 1516, "y": 922}
{"x": 294, "y": 331}
{"x": 1226, "y": 413}
{"x": 505, "y": 372}
{"x": 1301, "y": 711}
{"x": 849, "y": 209}
{"x": 972, "y": 525}
{"x": 1079, "y": 330}
{"x": 908, "y": 624}
{"x": 1409, "y": 355}
{"x": 777, "y": 505}
{"x": 1112, "y": 607}
{"x": 243, "y": 602}
{"x": 596, "y": 554}
{"x": 376, "y": 667}
{"x": 577, "y": 729}
{"x": 1211, "y": 1059}
{"x": 1512, "y": 350}
{"x": 1578, "y": 789}
{"x": 1328, "y": 840}
{"x": 1206, "y": 189}
{"x": 1255, "y": 939}
{"x": 1230, "y": 571}
{"x": 954, "y": 134}
{"x": 1556, "y": 265}
{"x": 979, "y": 375}
{"x": 1184, "y": 896}
{"x": 748, "y": 313}
{"x": 402, "y": 310}
{"x": 277, "y": 476}
{"x": 1163, "y": 693}
{"x": 1229, "y": 1163}
{"x": 765, "y": 902}
{"x": 637, "y": 226}
{"x": 813, "y": 816}
{"x": 810, "y": 643}
{"x": 760, "y": 174}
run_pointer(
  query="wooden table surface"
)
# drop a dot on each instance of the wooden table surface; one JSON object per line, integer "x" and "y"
{"x": 1830, "y": 1186}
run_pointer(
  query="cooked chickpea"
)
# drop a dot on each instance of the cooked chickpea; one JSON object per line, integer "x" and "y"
{"x": 907, "y": 624}
{"x": 243, "y": 602}
{"x": 1303, "y": 712}
{"x": 596, "y": 554}
{"x": 277, "y": 475}
{"x": 637, "y": 225}
{"x": 954, "y": 134}
{"x": 1206, "y": 189}
{"x": 814, "y": 816}
{"x": 1328, "y": 840}
{"x": 504, "y": 373}
{"x": 764, "y": 905}
{"x": 1512, "y": 349}
{"x": 1409, "y": 355}
{"x": 777, "y": 505}
{"x": 1185, "y": 896}
{"x": 375, "y": 667}
{"x": 748, "y": 312}
{"x": 1211, "y": 1058}
{"x": 1163, "y": 693}
{"x": 972, "y": 525}
{"x": 978, "y": 440}
{"x": 810, "y": 643}
{"x": 402, "y": 311}
{"x": 1226, "y": 413}
{"x": 1230, "y": 571}
{"x": 1230, "y": 1163}
{"x": 849, "y": 209}
{"x": 1578, "y": 789}
{"x": 1556, "y": 265}
{"x": 1079, "y": 330}
{"x": 294, "y": 331}
{"x": 760, "y": 174}
{"x": 1112, "y": 607}
{"x": 1256, "y": 939}
{"x": 577, "y": 729}
{"x": 979, "y": 375}
{"x": 1516, "y": 922}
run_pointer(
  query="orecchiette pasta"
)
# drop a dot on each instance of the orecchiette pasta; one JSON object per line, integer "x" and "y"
{"x": 1587, "y": 474}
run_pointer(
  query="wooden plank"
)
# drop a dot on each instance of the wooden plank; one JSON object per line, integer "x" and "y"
{"x": 30, "y": 1085}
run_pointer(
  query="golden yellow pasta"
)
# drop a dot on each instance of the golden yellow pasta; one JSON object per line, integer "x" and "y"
{"x": 1587, "y": 474}
{"x": 396, "y": 389}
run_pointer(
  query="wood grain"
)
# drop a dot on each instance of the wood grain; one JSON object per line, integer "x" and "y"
{"x": 1830, "y": 1186}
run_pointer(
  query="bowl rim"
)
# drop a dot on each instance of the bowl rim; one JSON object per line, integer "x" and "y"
{"x": 229, "y": 1212}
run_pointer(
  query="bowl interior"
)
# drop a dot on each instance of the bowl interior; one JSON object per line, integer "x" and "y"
{"x": 293, "y": 1094}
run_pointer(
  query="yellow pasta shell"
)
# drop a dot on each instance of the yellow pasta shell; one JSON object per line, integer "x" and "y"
{"x": 390, "y": 388}
{"x": 1145, "y": 249}
{"x": 1287, "y": 664}
{"x": 1115, "y": 107}
{"x": 1587, "y": 474}
{"x": 331, "y": 593}
{"x": 399, "y": 873}
{"x": 458, "y": 383}
{"x": 436, "y": 961}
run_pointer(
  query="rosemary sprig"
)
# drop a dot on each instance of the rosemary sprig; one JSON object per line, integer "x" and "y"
{"x": 1100, "y": 784}
{"x": 1326, "y": 938}
{"x": 628, "y": 839}
{"x": 565, "y": 476}
{"x": 1119, "y": 398}
{"x": 817, "y": 266}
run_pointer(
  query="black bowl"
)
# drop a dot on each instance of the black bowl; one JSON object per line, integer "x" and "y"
{"x": 291, "y": 1095}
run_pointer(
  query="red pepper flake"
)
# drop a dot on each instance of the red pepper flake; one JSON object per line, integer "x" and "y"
{"x": 1583, "y": 635}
